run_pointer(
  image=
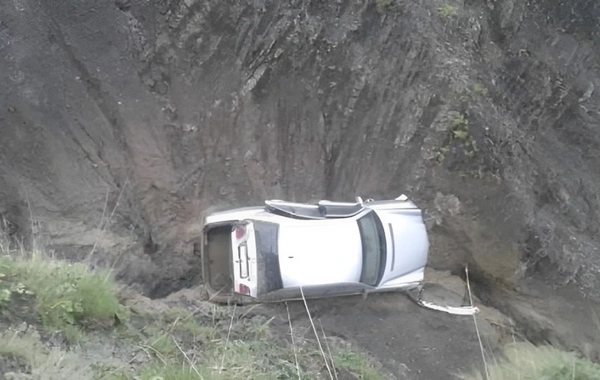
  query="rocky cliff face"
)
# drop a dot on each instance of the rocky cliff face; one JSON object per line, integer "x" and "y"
{"x": 120, "y": 122}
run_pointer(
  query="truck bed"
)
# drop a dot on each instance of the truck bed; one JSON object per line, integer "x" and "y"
{"x": 217, "y": 260}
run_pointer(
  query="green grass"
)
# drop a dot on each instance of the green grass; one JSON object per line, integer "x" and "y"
{"x": 448, "y": 11}
{"x": 183, "y": 322}
{"x": 63, "y": 296}
{"x": 57, "y": 295}
{"x": 527, "y": 362}
{"x": 460, "y": 127}
{"x": 219, "y": 347}
{"x": 42, "y": 363}
{"x": 251, "y": 352}
{"x": 355, "y": 363}
{"x": 459, "y": 131}
{"x": 16, "y": 347}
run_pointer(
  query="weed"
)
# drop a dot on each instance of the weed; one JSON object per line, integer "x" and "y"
{"x": 43, "y": 363}
{"x": 472, "y": 148}
{"x": 9, "y": 289}
{"x": 163, "y": 347}
{"x": 251, "y": 359}
{"x": 527, "y": 362}
{"x": 175, "y": 313}
{"x": 65, "y": 296}
{"x": 16, "y": 347}
{"x": 440, "y": 154}
{"x": 460, "y": 127}
{"x": 460, "y": 132}
{"x": 220, "y": 344}
{"x": 355, "y": 363}
{"x": 382, "y": 5}
{"x": 183, "y": 323}
{"x": 196, "y": 331}
{"x": 479, "y": 89}
{"x": 448, "y": 11}
{"x": 235, "y": 347}
{"x": 459, "y": 137}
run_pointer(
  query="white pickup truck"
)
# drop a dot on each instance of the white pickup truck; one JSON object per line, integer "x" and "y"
{"x": 286, "y": 251}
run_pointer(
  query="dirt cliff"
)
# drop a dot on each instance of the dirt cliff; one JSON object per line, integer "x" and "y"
{"x": 121, "y": 121}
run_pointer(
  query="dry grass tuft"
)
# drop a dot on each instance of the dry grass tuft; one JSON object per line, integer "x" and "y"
{"x": 526, "y": 361}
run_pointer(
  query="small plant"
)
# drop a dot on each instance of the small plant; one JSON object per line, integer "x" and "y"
{"x": 472, "y": 148}
{"x": 460, "y": 127}
{"x": 382, "y": 5}
{"x": 9, "y": 290}
{"x": 440, "y": 154}
{"x": 479, "y": 89}
{"x": 163, "y": 347}
{"x": 460, "y": 132}
{"x": 15, "y": 346}
{"x": 459, "y": 137}
{"x": 182, "y": 322}
{"x": 448, "y": 11}
{"x": 356, "y": 364}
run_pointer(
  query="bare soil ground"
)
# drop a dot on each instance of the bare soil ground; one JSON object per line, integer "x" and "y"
{"x": 409, "y": 341}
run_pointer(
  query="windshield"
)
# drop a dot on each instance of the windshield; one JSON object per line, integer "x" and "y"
{"x": 269, "y": 274}
{"x": 373, "y": 248}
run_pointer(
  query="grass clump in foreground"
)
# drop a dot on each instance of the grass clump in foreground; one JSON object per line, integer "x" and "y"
{"x": 225, "y": 344}
{"x": 355, "y": 363}
{"x": 241, "y": 359}
{"x": 63, "y": 296}
{"x": 33, "y": 360}
{"x": 528, "y": 362}
{"x": 210, "y": 341}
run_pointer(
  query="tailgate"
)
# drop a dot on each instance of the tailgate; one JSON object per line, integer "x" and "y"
{"x": 244, "y": 260}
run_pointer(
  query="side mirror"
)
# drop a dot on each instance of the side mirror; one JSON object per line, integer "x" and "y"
{"x": 359, "y": 200}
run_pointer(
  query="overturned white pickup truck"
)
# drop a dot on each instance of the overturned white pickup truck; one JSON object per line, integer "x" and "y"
{"x": 287, "y": 251}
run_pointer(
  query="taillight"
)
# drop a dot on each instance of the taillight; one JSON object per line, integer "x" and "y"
{"x": 243, "y": 289}
{"x": 240, "y": 233}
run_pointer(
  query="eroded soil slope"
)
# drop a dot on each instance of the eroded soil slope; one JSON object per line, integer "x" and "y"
{"x": 121, "y": 121}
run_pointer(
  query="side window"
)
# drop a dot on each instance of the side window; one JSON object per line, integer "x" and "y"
{"x": 269, "y": 274}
